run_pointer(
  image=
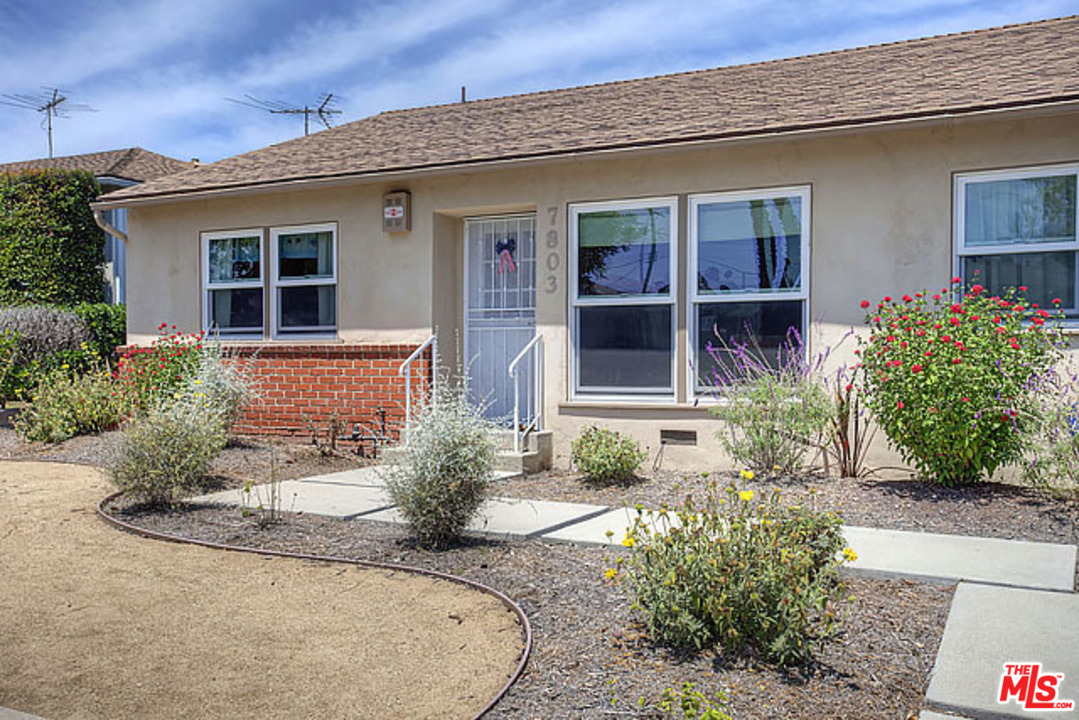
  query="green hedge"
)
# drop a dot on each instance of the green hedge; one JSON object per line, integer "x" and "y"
{"x": 51, "y": 250}
{"x": 107, "y": 325}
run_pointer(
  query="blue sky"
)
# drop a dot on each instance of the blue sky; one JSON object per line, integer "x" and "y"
{"x": 158, "y": 71}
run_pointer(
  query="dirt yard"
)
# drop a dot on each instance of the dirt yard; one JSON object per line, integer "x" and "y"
{"x": 96, "y": 623}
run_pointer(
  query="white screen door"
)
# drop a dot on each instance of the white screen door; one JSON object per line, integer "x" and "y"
{"x": 500, "y": 307}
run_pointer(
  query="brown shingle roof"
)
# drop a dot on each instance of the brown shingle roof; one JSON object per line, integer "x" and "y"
{"x": 1015, "y": 66}
{"x": 128, "y": 164}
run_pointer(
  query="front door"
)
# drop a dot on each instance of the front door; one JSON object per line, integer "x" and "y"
{"x": 500, "y": 307}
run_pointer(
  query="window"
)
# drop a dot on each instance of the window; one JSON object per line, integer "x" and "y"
{"x": 748, "y": 269}
{"x": 304, "y": 280}
{"x": 623, "y": 267}
{"x": 233, "y": 281}
{"x": 1019, "y": 227}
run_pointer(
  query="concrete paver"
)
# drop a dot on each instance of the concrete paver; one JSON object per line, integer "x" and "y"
{"x": 989, "y": 626}
{"x": 512, "y": 518}
{"x": 608, "y": 528}
{"x": 339, "y": 501}
{"x": 929, "y": 556}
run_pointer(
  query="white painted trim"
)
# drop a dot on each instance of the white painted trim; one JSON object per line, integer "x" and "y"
{"x": 695, "y": 298}
{"x": 204, "y": 272}
{"x": 961, "y": 250}
{"x": 273, "y": 283}
{"x": 575, "y": 301}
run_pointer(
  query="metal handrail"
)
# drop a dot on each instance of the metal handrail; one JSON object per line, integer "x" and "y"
{"x": 405, "y": 370}
{"x": 535, "y": 408}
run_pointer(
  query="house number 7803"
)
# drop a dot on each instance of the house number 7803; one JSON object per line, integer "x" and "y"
{"x": 553, "y": 260}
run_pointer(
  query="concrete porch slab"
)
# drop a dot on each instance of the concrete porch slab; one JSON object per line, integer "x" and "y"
{"x": 339, "y": 501}
{"x": 932, "y": 557}
{"x": 989, "y": 626}
{"x": 511, "y": 518}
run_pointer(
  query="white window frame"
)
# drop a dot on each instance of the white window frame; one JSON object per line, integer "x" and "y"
{"x": 207, "y": 287}
{"x": 620, "y": 394}
{"x": 696, "y": 298}
{"x": 275, "y": 283}
{"x": 959, "y": 246}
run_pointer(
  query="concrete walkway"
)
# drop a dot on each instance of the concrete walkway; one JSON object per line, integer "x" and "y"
{"x": 1015, "y": 601}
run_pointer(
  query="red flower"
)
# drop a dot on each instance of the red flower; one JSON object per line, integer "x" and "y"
{"x": 915, "y": 368}
{"x": 937, "y": 326}
{"x": 929, "y": 353}
{"x": 957, "y": 308}
{"x": 908, "y": 298}
{"x": 936, "y": 297}
{"x": 849, "y": 388}
{"x": 1037, "y": 320}
{"x": 1015, "y": 346}
{"x": 945, "y": 338}
{"x": 957, "y": 280}
{"x": 1022, "y": 288}
{"x": 956, "y": 321}
{"x": 1056, "y": 301}
{"x": 887, "y": 298}
{"x": 1043, "y": 313}
{"x": 975, "y": 289}
{"x": 903, "y": 344}
{"x": 964, "y": 399}
{"x": 957, "y": 361}
{"x": 865, "y": 304}
{"x": 899, "y": 405}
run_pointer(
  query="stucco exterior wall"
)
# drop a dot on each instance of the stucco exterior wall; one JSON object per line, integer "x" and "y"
{"x": 881, "y": 224}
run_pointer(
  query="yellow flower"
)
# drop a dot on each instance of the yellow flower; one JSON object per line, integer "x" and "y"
{"x": 611, "y": 572}
{"x": 629, "y": 541}
{"x": 747, "y": 474}
{"x": 849, "y": 554}
{"x": 746, "y": 495}
{"x": 65, "y": 366}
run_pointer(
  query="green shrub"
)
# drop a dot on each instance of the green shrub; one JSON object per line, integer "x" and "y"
{"x": 1052, "y": 451}
{"x": 166, "y": 453}
{"x": 775, "y": 410}
{"x": 147, "y": 375}
{"x": 51, "y": 250}
{"x": 107, "y": 325}
{"x": 606, "y": 456}
{"x": 442, "y": 475}
{"x": 66, "y": 404}
{"x": 951, "y": 378}
{"x": 749, "y": 576}
{"x": 689, "y": 703}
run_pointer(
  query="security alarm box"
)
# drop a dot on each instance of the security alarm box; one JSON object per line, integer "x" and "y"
{"x": 397, "y": 212}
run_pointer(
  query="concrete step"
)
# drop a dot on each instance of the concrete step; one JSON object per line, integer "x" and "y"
{"x": 537, "y": 455}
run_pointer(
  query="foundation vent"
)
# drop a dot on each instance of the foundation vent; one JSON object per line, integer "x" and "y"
{"x": 677, "y": 437}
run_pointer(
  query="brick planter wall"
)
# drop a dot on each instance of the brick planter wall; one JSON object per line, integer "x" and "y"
{"x": 301, "y": 383}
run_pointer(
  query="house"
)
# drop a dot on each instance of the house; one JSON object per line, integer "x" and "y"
{"x": 621, "y": 224}
{"x": 113, "y": 169}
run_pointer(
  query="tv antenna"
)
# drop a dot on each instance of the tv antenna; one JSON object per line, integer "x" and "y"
{"x": 51, "y": 103}
{"x": 323, "y": 109}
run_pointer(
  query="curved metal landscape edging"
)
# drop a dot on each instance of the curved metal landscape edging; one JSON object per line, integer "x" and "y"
{"x": 522, "y": 618}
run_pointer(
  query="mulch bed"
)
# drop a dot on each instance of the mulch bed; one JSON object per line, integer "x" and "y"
{"x": 591, "y": 658}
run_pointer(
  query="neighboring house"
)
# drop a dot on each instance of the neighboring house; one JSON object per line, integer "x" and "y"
{"x": 114, "y": 169}
{"x": 622, "y": 223}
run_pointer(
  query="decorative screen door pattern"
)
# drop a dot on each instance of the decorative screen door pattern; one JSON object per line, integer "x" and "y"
{"x": 500, "y": 308}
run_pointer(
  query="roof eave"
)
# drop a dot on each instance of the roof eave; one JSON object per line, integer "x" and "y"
{"x": 1016, "y": 109}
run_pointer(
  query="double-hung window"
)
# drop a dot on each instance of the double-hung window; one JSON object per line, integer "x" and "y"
{"x": 303, "y": 273}
{"x": 233, "y": 282}
{"x": 1020, "y": 228}
{"x": 748, "y": 274}
{"x": 623, "y": 268}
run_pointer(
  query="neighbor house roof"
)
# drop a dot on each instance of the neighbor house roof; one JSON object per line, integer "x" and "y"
{"x": 1000, "y": 68}
{"x": 133, "y": 164}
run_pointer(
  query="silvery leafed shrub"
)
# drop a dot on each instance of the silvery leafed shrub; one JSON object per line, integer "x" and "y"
{"x": 442, "y": 475}
{"x": 43, "y": 331}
